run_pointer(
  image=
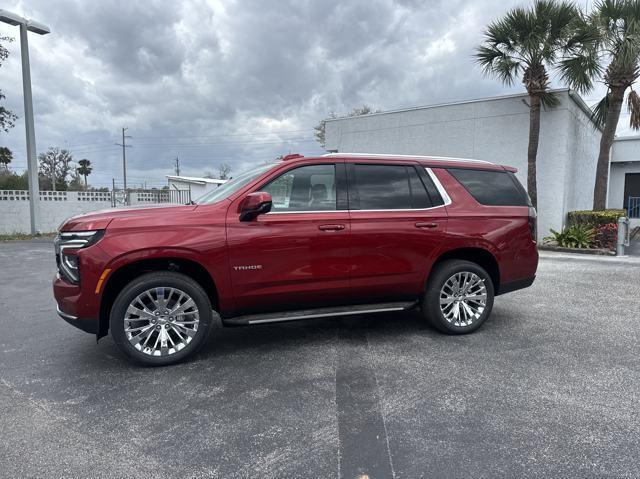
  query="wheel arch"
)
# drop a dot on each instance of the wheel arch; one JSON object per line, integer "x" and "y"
{"x": 480, "y": 256}
{"x": 128, "y": 272}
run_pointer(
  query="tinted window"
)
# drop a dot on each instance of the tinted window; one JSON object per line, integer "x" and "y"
{"x": 308, "y": 188}
{"x": 419, "y": 196}
{"x": 387, "y": 187}
{"x": 492, "y": 188}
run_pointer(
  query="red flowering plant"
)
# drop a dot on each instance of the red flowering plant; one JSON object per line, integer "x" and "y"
{"x": 605, "y": 236}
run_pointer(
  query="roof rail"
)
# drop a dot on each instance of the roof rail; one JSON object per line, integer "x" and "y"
{"x": 386, "y": 155}
{"x": 292, "y": 156}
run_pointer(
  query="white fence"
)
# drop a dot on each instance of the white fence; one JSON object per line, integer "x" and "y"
{"x": 57, "y": 206}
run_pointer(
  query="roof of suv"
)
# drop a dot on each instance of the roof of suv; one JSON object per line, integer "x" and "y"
{"x": 435, "y": 161}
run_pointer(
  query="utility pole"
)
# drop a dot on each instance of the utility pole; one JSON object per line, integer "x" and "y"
{"x": 177, "y": 166}
{"x": 124, "y": 157}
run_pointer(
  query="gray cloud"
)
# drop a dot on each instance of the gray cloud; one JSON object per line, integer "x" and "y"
{"x": 200, "y": 79}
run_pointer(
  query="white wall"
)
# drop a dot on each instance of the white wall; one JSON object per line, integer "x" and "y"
{"x": 55, "y": 207}
{"x": 197, "y": 190}
{"x": 496, "y": 130}
{"x": 625, "y": 158}
{"x": 616, "y": 182}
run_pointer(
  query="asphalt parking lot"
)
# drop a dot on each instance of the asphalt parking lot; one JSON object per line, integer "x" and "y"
{"x": 549, "y": 387}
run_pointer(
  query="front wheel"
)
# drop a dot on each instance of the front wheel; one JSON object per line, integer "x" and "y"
{"x": 160, "y": 318}
{"x": 459, "y": 297}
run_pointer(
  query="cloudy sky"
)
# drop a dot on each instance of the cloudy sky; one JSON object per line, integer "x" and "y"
{"x": 240, "y": 82}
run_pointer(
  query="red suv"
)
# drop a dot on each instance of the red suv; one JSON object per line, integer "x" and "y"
{"x": 335, "y": 235}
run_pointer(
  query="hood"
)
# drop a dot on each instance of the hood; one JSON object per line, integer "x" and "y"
{"x": 99, "y": 220}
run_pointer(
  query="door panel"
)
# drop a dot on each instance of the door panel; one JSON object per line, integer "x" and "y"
{"x": 391, "y": 254}
{"x": 289, "y": 258}
{"x": 392, "y": 249}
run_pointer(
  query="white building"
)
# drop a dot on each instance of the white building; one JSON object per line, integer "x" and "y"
{"x": 624, "y": 175}
{"x": 197, "y": 186}
{"x": 497, "y": 130}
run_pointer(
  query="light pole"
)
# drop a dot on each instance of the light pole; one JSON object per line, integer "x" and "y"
{"x": 32, "y": 161}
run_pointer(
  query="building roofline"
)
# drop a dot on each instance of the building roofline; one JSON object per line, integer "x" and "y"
{"x": 572, "y": 94}
{"x": 627, "y": 138}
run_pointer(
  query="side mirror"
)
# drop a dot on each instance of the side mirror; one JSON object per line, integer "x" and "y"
{"x": 254, "y": 204}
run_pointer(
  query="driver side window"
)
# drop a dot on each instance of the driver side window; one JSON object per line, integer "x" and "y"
{"x": 306, "y": 188}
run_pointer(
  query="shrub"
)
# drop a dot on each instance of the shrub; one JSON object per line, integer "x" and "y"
{"x": 573, "y": 237}
{"x": 593, "y": 219}
{"x": 606, "y": 236}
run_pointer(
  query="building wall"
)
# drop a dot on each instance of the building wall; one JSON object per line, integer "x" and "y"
{"x": 496, "y": 130}
{"x": 55, "y": 207}
{"x": 197, "y": 190}
{"x": 583, "y": 148}
{"x": 625, "y": 158}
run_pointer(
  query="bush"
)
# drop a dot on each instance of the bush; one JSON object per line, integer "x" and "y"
{"x": 606, "y": 236}
{"x": 573, "y": 237}
{"x": 594, "y": 219}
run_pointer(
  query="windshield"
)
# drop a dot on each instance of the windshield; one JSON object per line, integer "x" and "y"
{"x": 227, "y": 189}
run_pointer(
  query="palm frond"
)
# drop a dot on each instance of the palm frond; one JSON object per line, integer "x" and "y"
{"x": 578, "y": 71}
{"x": 550, "y": 100}
{"x": 599, "y": 111}
{"x": 633, "y": 104}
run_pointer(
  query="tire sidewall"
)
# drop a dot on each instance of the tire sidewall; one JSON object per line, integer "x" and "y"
{"x": 431, "y": 302}
{"x": 149, "y": 281}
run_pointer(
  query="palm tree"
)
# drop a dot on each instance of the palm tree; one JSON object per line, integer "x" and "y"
{"x": 85, "y": 170}
{"x": 528, "y": 42}
{"x": 611, "y": 52}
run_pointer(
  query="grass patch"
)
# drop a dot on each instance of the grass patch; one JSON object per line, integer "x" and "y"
{"x": 24, "y": 236}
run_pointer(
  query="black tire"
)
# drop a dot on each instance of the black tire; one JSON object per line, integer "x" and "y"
{"x": 431, "y": 300}
{"x": 160, "y": 279}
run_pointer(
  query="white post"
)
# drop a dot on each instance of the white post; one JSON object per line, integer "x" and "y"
{"x": 32, "y": 160}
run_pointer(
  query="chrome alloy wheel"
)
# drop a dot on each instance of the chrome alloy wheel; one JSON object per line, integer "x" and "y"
{"x": 161, "y": 321}
{"x": 463, "y": 298}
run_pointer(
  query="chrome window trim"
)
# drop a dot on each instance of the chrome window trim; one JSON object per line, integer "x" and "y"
{"x": 443, "y": 193}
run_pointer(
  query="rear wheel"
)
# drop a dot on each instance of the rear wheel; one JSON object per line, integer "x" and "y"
{"x": 160, "y": 318}
{"x": 459, "y": 297}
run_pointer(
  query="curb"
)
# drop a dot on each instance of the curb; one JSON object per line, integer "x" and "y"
{"x": 591, "y": 251}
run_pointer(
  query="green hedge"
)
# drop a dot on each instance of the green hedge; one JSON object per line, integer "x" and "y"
{"x": 594, "y": 219}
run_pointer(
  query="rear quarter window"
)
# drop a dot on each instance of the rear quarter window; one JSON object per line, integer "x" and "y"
{"x": 492, "y": 188}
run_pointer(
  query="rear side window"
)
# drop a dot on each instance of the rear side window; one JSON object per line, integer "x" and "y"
{"x": 387, "y": 187}
{"x": 492, "y": 188}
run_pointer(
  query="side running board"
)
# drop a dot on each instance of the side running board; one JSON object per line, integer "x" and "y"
{"x": 317, "y": 313}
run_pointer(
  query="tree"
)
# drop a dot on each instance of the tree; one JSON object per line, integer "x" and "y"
{"x": 320, "y": 127}
{"x": 12, "y": 181}
{"x": 529, "y": 42}
{"x": 610, "y": 51}
{"x": 54, "y": 168}
{"x": 5, "y": 156}
{"x": 7, "y": 117}
{"x": 85, "y": 170}
{"x": 223, "y": 171}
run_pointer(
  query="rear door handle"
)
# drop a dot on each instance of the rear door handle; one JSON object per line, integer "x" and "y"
{"x": 330, "y": 227}
{"x": 426, "y": 225}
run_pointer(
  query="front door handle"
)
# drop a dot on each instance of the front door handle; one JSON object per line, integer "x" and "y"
{"x": 330, "y": 227}
{"x": 426, "y": 225}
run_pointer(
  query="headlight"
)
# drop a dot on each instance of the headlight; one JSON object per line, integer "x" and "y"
{"x": 67, "y": 245}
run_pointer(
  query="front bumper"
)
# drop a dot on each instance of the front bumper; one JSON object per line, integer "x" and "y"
{"x": 87, "y": 325}
{"x": 75, "y": 306}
